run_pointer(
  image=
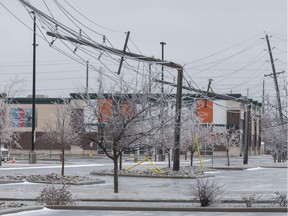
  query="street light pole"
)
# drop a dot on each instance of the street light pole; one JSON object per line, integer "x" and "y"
{"x": 162, "y": 74}
{"x": 161, "y": 150}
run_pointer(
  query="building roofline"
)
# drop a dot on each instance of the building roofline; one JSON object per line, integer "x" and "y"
{"x": 37, "y": 100}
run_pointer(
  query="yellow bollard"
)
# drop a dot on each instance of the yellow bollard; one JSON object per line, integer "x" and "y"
{"x": 199, "y": 155}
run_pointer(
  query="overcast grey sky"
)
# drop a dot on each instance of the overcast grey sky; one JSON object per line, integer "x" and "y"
{"x": 192, "y": 29}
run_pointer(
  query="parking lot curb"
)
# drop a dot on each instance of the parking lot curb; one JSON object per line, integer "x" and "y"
{"x": 183, "y": 209}
{"x": 22, "y": 209}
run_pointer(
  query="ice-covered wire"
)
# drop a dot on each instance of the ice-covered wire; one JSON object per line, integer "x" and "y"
{"x": 113, "y": 30}
{"x": 223, "y": 49}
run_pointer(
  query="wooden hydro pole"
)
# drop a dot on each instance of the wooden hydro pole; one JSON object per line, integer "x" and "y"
{"x": 74, "y": 37}
{"x": 274, "y": 75}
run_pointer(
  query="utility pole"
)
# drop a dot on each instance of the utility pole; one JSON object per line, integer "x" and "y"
{"x": 124, "y": 50}
{"x": 209, "y": 84}
{"x": 87, "y": 76}
{"x": 275, "y": 80}
{"x": 100, "y": 79}
{"x": 32, "y": 155}
{"x": 247, "y": 131}
{"x": 176, "y": 153}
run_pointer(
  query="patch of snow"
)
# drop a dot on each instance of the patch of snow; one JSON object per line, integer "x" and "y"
{"x": 255, "y": 168}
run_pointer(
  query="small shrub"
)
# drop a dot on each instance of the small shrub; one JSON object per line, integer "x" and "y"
{"x": 249, "y": 200}
{"x": 281, "y": 199}
{"x": 50, "y": 195}
{"x": 207, "y": 191}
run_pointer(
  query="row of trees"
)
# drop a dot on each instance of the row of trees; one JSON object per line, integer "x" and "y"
{"x": 127, "y": 121}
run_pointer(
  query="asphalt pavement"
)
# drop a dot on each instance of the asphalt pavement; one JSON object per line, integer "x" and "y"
{"x": 261, "y": 177}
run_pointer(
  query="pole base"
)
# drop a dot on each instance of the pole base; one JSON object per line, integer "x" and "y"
{"x": 32, "y": 157}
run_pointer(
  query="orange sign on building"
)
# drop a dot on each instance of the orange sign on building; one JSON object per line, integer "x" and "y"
{"x": 205, "y": 111}
{"x": 105, "y": 107}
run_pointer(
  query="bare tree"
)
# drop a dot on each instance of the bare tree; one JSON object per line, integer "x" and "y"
{"x": 227, "y": 138}
{"x": 190, "y": 128}
{"x": 7, "y": 122}
{"x": 163, "y": 137}
{"x": 274, "y": 132}
{"x": 162, "y": 118}
{"x": 60, "y": 128}
{"x": 122, "y": 120}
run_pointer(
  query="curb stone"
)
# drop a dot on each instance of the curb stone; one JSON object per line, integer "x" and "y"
{"x": 22, "y": 209}
{"x": 152, "y": 176}
{"x": 49, "y": 182}
{"x": 188, "y": 209}
{"x": 11, "y": 181}
{"x": 224, "y": 201}
{"x": 70, "y": 183}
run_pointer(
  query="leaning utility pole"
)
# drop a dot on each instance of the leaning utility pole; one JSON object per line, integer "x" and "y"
{"x": 124, "y": 50}
{"x": 275, "y": 80}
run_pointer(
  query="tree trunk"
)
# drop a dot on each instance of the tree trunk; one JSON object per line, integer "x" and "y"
{"x": 120, "y": 161}
{"x": 279, "y": 157}
{"x": 62, "y": 160}
{"x": 185, "y": 155}
{"x": 169, "y": 159}
{"x": 0, "y": 156}
{"x": 191, "y": 158}
{"x": 228, "y": 161}
{"x": 155, "y": 154}
{"x": 115, "y": 174}
{"x": 115, "y": 161}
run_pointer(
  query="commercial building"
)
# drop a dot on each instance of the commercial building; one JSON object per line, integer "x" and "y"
{"x": 237, "y": 112}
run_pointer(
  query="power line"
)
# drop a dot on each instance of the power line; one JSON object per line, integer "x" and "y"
{"x": 81, "y": 14}
{"x": 223, "y": 50}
